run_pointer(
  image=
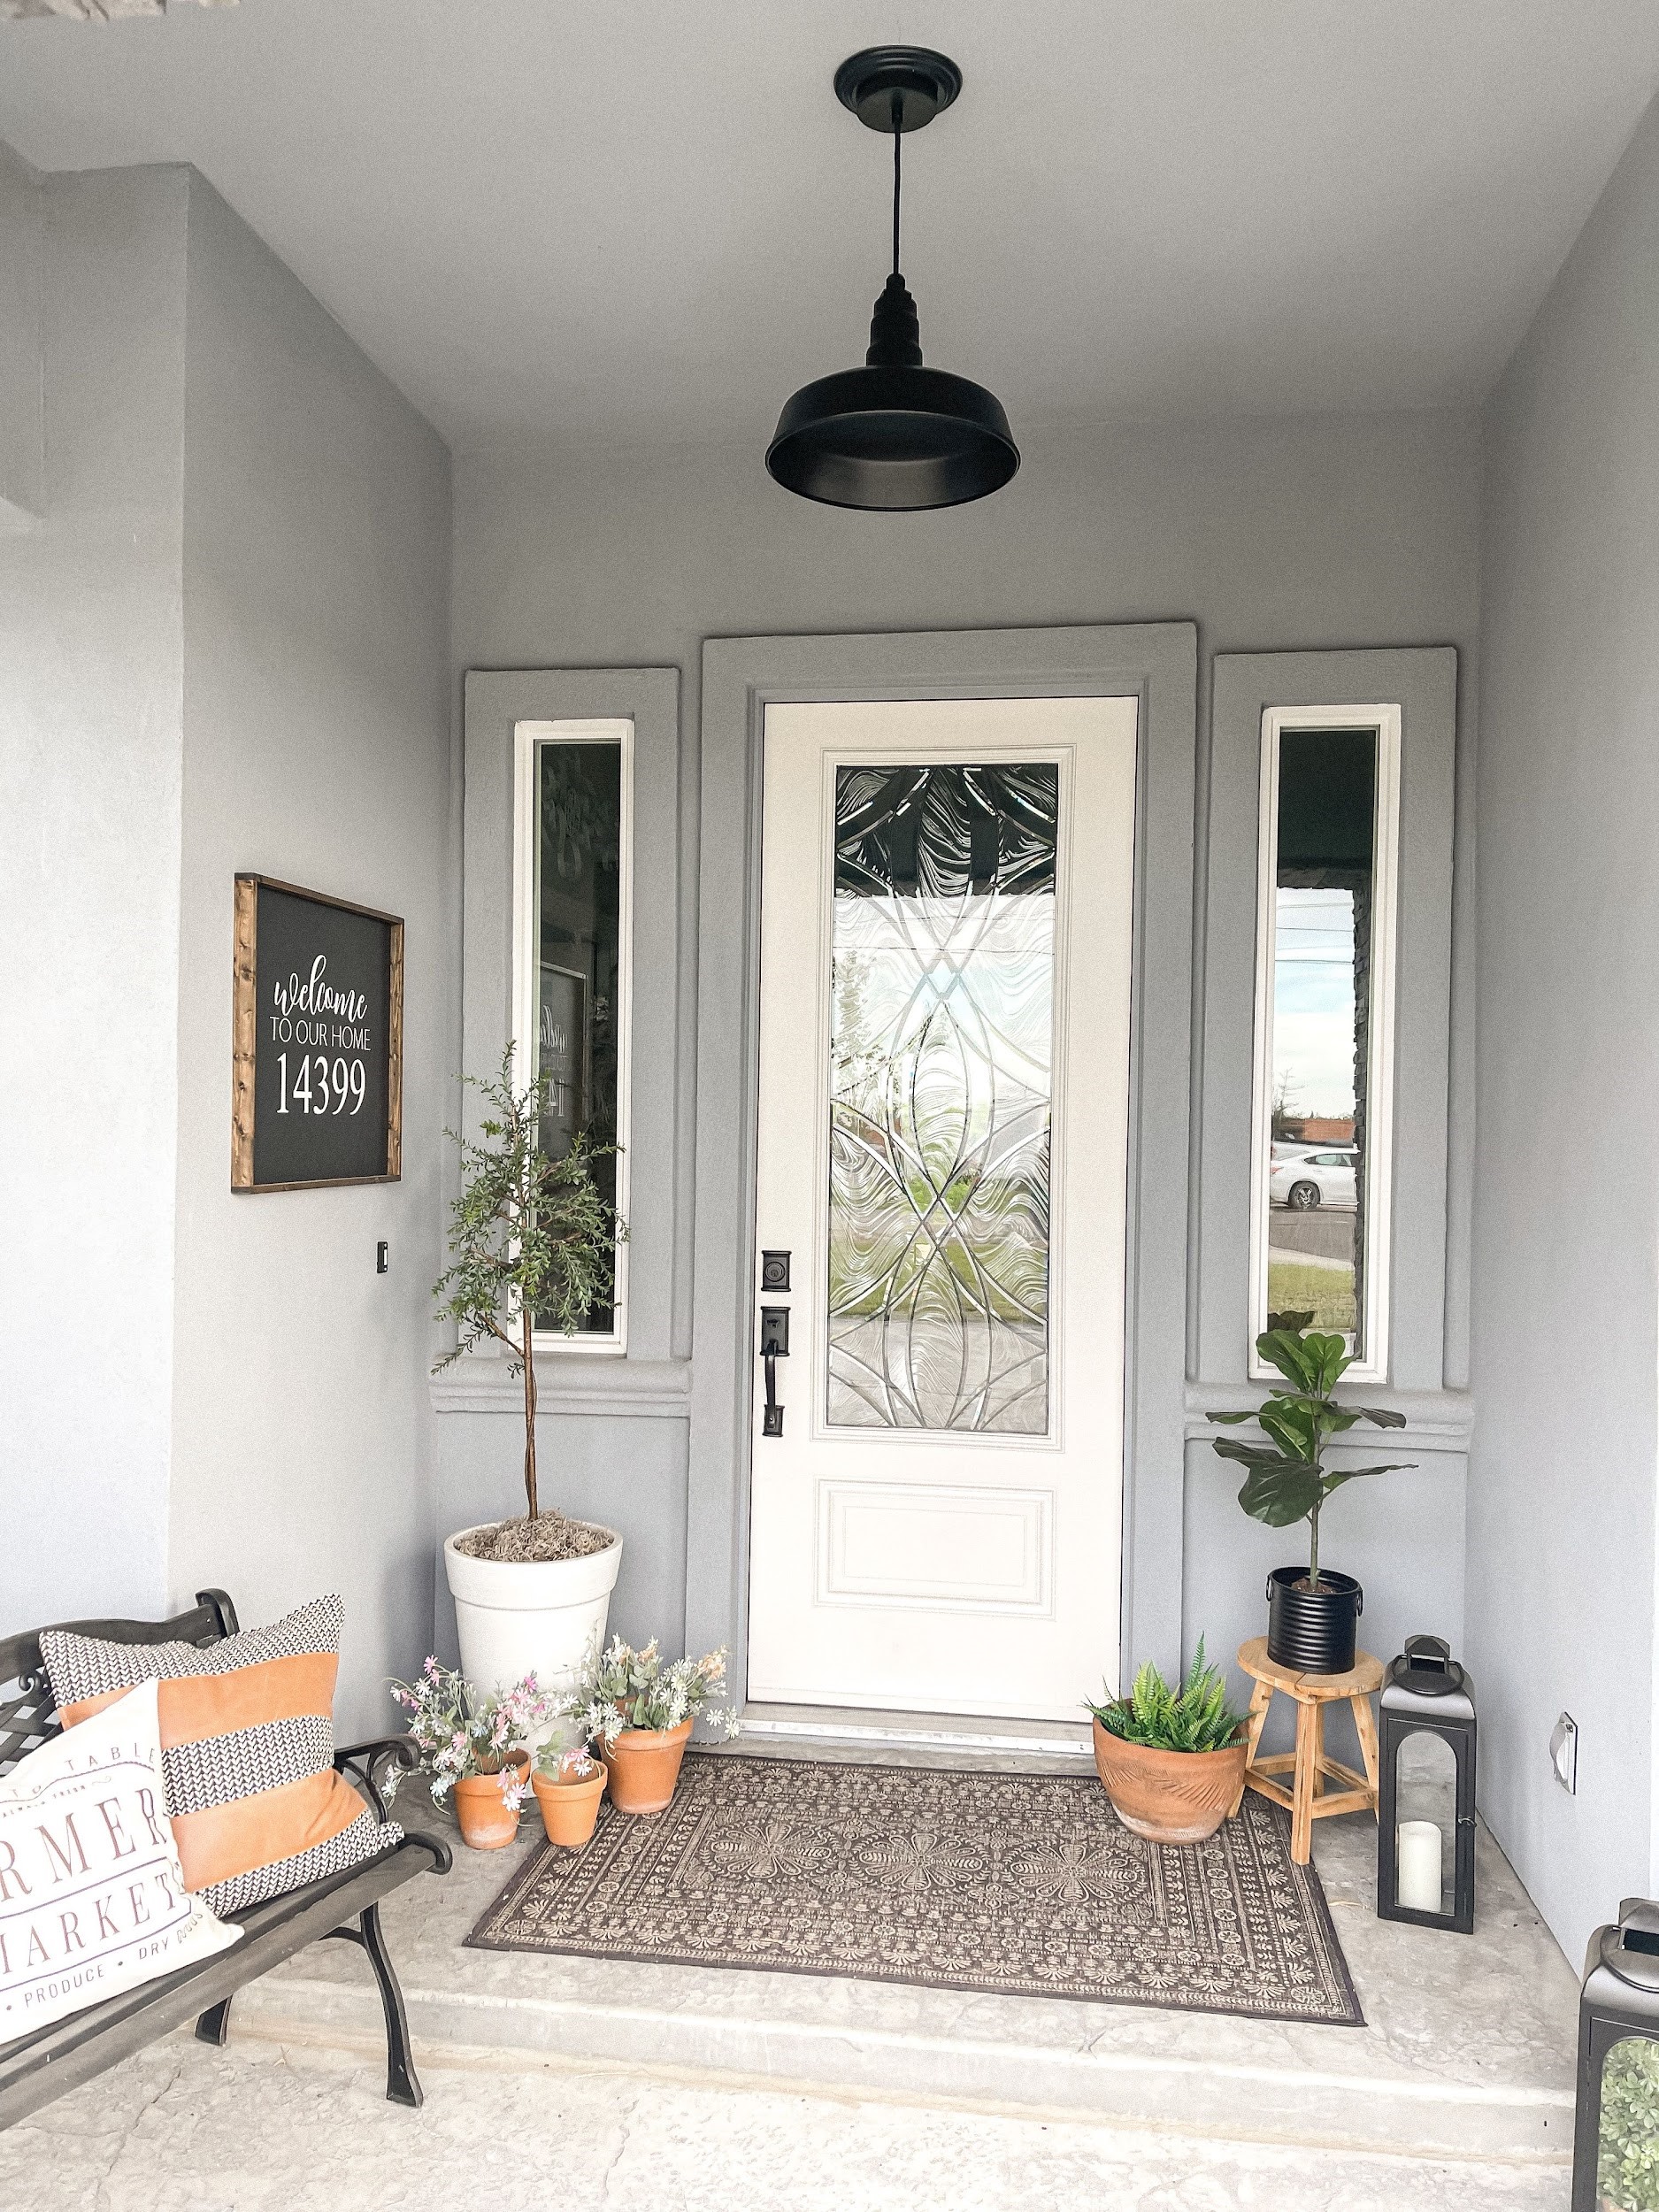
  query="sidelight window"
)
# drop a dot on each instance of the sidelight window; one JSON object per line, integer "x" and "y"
{"x": 1321, "y": 1168}
{"x": 574, "y": 817}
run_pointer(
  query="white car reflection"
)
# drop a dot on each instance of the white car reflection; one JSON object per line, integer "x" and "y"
{"x": 1317, "y": 1179}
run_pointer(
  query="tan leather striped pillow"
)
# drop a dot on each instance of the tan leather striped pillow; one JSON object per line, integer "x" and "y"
{"x": 247, "y": 1737}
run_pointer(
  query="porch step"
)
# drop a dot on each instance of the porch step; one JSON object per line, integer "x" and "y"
{"x": 838, "y": 2049}
{"x": 1467, "y": 2052}
{"x": 1276, "y": 2101}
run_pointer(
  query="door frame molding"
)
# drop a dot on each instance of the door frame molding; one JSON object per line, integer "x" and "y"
{"x": 1157, "y": 663}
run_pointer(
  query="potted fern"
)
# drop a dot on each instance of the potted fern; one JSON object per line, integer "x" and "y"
{"x": 1171, "y": 1759}
{"x": 532, "y": 1244}
{"x": 1313, "y": 1613}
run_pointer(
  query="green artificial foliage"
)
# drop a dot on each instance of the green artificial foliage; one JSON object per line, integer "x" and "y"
{"x": 1627, "y": 2170}
{"x": 1289, "y": 1482}
{"x": 533, "y": 1239}
{"x": 1195, "y": 1717}
{"x": 620, "y": 1687}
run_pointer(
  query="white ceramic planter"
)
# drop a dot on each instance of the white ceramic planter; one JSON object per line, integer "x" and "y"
{"x": 529, "y": 1617}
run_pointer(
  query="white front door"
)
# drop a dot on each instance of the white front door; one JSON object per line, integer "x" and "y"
{"x": 947, "y": 913}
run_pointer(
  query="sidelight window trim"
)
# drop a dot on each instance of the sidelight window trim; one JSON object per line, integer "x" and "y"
{"x": 529, "y": 738}
{"x": 1372, "y": 1294}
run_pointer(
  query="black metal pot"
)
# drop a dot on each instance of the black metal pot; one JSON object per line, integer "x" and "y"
{"x": 1312, "y": 1631}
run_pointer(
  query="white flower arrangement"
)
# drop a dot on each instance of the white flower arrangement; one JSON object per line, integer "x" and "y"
{"x": 461, "y": 1733}
{"x": 623, "y": 1688}
{"x": 576, "y": 1764}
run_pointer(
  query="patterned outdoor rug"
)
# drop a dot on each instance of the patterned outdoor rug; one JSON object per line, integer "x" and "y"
{"x": 1026, "y": 1884}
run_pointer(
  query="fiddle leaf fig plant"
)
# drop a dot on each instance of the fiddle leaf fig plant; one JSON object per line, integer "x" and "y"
{"x": 1289, "y": 1482}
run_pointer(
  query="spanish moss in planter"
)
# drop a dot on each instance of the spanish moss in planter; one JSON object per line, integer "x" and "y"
{"x": 532, "y": 1244}
{"x": 1311, "y": 1614}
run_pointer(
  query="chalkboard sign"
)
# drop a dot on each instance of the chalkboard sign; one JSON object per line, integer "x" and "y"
{"x": 319, "y": 1050}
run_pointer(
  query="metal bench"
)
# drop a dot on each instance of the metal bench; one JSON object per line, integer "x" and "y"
{"x": 37, "y": 2068}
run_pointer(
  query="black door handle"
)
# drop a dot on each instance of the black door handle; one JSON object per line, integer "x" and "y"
{"x": 774, "y": 1345}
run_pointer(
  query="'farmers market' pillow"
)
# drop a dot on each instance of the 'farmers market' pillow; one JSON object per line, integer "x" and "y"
{"x": 92, "y": 1899}
{"x": 248, "y": 1744}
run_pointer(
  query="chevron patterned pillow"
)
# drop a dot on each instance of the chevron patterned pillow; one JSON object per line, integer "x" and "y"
{"x": 248, "y": 1744}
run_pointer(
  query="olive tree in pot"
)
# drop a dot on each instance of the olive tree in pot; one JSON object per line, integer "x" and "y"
{"x": 533, "y": 1243}
{"x": 1311, "y": 1614}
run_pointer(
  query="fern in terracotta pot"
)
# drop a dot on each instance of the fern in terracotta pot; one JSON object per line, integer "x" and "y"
{"x": 1171, "y": 1758}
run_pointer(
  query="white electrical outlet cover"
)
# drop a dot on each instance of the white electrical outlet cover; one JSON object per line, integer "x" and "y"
{"x": 1564, "y": 1752}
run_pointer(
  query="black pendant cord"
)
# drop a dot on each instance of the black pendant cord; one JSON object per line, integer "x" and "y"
{"x": 898, "y": 140}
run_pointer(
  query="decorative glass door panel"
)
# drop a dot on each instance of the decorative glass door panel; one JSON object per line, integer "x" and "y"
{"x": 947, "y": 919}
{"x": 942, "y": 1054}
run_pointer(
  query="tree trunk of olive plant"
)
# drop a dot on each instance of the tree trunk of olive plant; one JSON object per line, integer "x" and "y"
{"x": 529, "y": 1412}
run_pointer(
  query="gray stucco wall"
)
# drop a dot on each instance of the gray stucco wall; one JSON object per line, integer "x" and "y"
{"x": 317, "y": 748}
{"x": 22, "y": 273}
{"x": 1320, "y": 533}
{"x": 1562, "y": 1518}
{"x": 90, "y": 762}
{"x": 222, "y": 646}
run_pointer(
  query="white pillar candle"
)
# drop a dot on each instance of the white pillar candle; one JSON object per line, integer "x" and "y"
{"x": 1417, "y": 1846}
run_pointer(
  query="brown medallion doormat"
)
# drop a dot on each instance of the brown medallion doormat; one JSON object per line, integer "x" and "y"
{"x": 1027, "y": 1885}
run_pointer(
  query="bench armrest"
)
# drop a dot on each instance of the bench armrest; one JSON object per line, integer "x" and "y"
{"x": 365, "y": 1763}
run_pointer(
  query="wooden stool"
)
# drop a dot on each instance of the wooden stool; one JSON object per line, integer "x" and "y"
{"x": 1308, "y": 1800}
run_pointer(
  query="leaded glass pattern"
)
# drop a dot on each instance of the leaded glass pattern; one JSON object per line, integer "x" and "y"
{"x": 942, "y": 1096}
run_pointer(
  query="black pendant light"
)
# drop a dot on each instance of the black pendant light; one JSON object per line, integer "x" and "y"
{"x": 894, "y": 434}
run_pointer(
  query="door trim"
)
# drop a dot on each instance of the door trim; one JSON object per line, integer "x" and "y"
{"x": 741, "y": 677}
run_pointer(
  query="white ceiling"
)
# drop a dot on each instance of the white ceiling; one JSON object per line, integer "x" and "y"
{"x": 633, "y": 218}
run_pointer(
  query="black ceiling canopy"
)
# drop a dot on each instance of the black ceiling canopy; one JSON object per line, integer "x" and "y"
{"x": 894, "y": 434}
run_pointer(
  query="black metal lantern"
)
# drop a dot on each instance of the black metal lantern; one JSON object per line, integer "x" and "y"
{"x": 894, "y": 434}
{"x": 1425, "y": 1812}
{"x": 1618, "y": 2058}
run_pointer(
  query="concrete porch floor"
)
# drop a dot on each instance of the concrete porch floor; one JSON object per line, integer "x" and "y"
{"x": 582, "y": 2083}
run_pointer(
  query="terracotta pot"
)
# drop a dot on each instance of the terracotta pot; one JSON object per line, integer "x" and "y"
{"x": 569, "y": 1809}
{"x": 643, "y": 1765}
{"x": 1169, "y": 1796}
{"x": 487, "y": 1823}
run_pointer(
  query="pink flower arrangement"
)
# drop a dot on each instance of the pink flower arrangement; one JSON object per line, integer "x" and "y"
{"x": 461, "y": 1732}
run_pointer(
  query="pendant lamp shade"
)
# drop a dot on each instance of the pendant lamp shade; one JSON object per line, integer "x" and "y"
{"x": 894, "y": 435}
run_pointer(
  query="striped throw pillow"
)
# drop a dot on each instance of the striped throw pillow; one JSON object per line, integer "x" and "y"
{"x": 248, "y": 1743}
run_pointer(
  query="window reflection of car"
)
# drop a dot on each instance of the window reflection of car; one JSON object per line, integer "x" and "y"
{"x": 1317, "y": 1179}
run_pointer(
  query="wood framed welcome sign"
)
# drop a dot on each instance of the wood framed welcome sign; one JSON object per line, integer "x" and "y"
{"x": 318, "y": 1092}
